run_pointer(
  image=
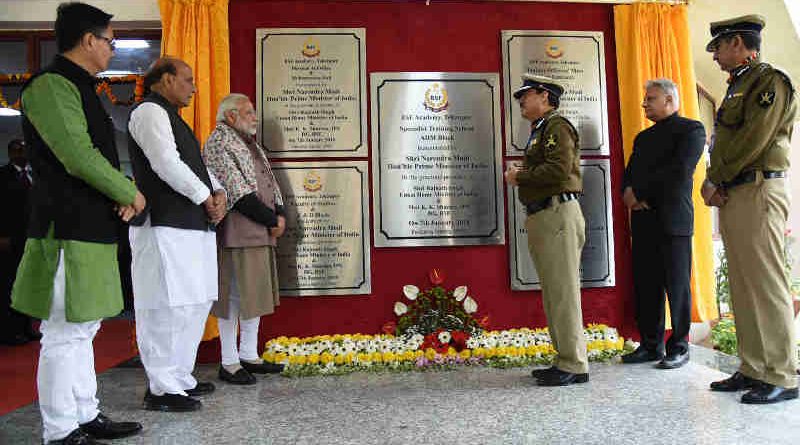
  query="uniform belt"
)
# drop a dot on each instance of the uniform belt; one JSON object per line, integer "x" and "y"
{"x": 538, "y": 206}
{"x": 750, "y": 176}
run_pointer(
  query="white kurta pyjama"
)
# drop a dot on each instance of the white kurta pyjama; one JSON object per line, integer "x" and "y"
{"x": 66, "y": 379}
{"x": 174, "y": 270}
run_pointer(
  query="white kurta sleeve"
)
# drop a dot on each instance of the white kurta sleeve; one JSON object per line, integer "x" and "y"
{"x": 150, "y": 128}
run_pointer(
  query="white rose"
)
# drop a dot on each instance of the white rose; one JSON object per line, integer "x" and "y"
{"x": 470, "y": 306}
{"x": 410, "y": 291}
{"x": 400, "y": 308}
{"x": 444, "y": 337}
{"x": 460, "y": 293}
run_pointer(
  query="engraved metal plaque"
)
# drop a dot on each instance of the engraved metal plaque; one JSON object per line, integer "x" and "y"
{"x": 597, "y": 259}
{"x": 311, "y": 91}
{"x": 436, "y": 159}
{"x": 577, "y": 60}
{"x": 325, "y": 249}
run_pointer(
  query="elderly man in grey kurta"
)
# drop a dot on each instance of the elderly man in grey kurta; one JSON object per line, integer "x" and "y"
{"x": 247, "y": 272}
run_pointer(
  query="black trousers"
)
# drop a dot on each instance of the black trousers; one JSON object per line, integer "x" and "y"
{"x": 662, "y": 264}
{"x": 11, "y": 322}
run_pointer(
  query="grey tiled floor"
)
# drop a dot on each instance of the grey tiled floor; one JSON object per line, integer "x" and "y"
{"x": 622, "y": 404}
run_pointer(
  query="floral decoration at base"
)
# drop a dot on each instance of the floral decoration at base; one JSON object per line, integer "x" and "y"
{"x": 343, "y": 354}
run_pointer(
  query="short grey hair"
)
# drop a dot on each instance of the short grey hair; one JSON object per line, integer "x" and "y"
{"x": 668, "y": 87}
{"x": 230, "y": 103}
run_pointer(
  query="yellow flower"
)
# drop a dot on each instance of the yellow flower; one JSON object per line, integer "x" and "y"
{"x": 364, "y": 357}
{"x": 326, "y": 358}
{"x": 388, "y": 357}
{"x": 451, "y": 352}
{"x": 349, "y": 357}
{"x": 301, "y": 359}
{"x": 280, "y": 357}
{"x": 479, "y": 352}
{"x": 464, "y": 354}
{"x": 418, "y": 353}
{"x": 313, "y": 359}
{"x": 268, "y": 356}
{"x": 377, "y": 357}
{"x": 339, "y": 359}
{"x": 430, "y": 353}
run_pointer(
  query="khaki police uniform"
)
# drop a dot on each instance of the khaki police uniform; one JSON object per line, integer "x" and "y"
{"x": 549, "y": 185}
{"x": 749, "y": 157}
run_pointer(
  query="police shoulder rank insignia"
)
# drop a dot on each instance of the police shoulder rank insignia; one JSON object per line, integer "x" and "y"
{"x": 766, "y": 98}
{"x": 550, "y": 143}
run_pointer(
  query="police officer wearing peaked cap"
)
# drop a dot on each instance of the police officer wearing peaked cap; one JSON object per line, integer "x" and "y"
{"x": 550, "y": 184}
{"x": 745, "y": 179}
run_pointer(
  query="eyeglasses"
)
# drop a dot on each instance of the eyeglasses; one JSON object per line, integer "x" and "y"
{"x": 112, "y": 43}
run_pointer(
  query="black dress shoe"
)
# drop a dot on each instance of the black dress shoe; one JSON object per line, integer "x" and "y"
{"x": 674, "y": 360}
{"x": 766, "y": 393}
{"x": 558, "y": 377}
{"x": 736, "y": 382}
{"x": 240, "y": 377}
{"x": 541, "y": 372}
{"x": 175, "y": 403}
{"x": 76, "y": 437}
{"x": 262, "y": 368}
{"x": 104, "y": 428}
{"x": 201, "y": 389}
{"x": 642, "y": 355}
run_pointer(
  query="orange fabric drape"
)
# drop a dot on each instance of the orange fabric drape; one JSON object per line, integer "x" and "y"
{"x": 653, "y": 42}
{"x": 196, "y": 31}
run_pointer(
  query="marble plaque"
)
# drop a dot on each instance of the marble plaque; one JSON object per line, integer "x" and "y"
{"x": 574, "y": 58}
{"x": 597, "y": 259}
{"x": 436, "y": 159}
{"x": 325, "y": 249}
{"x": 311, "y": 91}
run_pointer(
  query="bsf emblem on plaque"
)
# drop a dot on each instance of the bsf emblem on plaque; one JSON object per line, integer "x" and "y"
{"x": 310, "y": 48}
{"x": 436, "y": 98}
{"x": 553, "y": 49}
{"x": 312, "y": 182}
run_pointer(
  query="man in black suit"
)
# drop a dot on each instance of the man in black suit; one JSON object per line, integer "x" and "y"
{"x": 658, "y": 191}
{"x": 15, "y": 181}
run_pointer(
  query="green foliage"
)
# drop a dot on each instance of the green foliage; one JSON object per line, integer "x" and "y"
{"x": 723, "y": 336}
{"x": 433, "y": 309}
{"x": 721, "y": 280}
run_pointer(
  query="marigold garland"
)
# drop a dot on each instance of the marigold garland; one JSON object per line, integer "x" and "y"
{"x": 103, "y": 87}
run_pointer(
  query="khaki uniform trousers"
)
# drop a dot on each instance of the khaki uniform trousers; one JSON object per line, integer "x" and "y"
{"x": 752, "y": 224}
{"x": 555, "y": 240}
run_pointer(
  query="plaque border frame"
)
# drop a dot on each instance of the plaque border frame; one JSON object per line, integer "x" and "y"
{"x": 506, "y": 36}
{"x": 497, "y": 235}
{"x": 360, "y": 35}
{"x": 513, "y": 202}
{"x": 365, "y": 287}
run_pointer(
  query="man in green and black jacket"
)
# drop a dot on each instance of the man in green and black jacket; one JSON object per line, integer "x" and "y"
{"x": 69, "y": 276}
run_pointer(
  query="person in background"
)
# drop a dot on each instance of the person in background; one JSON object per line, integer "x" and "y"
{"x": 16, "y": 179}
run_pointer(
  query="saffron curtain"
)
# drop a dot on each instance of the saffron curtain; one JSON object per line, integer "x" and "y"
{"x": 653, "y": 42}
{"x": 196, "y": 31}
